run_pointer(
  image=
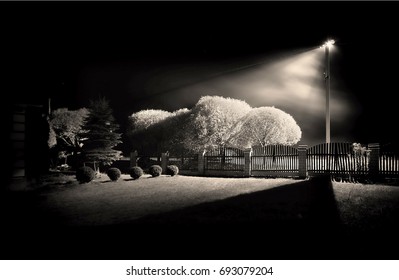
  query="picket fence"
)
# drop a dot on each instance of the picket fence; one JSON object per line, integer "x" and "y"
{"x": 336, "y": 159}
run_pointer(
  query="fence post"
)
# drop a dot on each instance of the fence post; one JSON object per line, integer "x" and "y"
{"x": 374, "y": 160}
{"x": 133, "y": 158}
{"x": 247, "y": 159}
{"x": 164, "y": 161}
{"x": 201, "y": 167}
{"x": 302, "y": 164}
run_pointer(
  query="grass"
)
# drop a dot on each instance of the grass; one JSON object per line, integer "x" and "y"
{"x": 103, "y": 202}
{"x": 281, "y": 218}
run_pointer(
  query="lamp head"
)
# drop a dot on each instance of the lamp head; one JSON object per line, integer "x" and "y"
{"x": 328, "y": 44}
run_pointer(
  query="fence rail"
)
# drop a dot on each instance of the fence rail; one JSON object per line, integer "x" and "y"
{"x": 389, "y": 161}
{"x": 184, "y": 162}
{"x": 336, "y": 159}
{"x": 275, "y": 158}
{"x": 228, "y": 159}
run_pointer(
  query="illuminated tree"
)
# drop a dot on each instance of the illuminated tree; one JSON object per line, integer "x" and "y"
{"x": 141, "y": 130}
{"x": 265, "y": 126}
{"x": 213, "y": 122}
{"x": 156, "y": 131}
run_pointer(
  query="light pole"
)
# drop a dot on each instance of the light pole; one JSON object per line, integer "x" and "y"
{"x": 327, "y": 46}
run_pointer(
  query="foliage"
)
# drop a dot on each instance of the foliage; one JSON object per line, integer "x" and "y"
{"x": 144, "y": 119}
{"x": 172, "y": 170}
{"x": 136, "y": 172}
{"x": 85, "y": 174}
{"x": 101, "y": 134}
{"x": 114, "y": 173}
{"x": 155, "y": 170}
{"x": 361, "y": 155}
{"x": 66, "y": 127}
{"x": 155, "y": 131}
{"x": 213, "y": 122}
{"x": 266, "y": 126}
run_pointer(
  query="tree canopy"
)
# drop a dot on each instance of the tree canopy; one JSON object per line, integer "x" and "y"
{"x": 266, "y": 126}
{"x": 213, "y": 122}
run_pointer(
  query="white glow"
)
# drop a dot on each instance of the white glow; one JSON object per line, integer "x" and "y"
{"x": 329, "y": 43}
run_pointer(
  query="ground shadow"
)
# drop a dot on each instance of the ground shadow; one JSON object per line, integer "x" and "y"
{"x": 295, "y": 221}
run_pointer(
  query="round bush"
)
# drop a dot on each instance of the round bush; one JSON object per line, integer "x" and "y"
{"x": 114, "y": 173}
{"x": 155, "y": 170}
{"x": 172, "y": 170}
{"x": 136, "y": 172}
{"x": 85, "y": 174}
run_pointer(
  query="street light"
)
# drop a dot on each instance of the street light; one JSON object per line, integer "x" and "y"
{"x": 327, "y": 45}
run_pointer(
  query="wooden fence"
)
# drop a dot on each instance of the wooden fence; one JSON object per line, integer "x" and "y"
{"x": 274, "y": 160}
{"x": 226, "y": 159}
{"x": 336, "y": 159}
{"x": 187, "y": 162}
{"x": 389, "y": 161}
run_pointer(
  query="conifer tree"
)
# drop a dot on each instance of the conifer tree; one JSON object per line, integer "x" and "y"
{"x": 101, "y": 134}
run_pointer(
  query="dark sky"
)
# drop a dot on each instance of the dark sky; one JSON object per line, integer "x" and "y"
{"x": 162, "y": 54}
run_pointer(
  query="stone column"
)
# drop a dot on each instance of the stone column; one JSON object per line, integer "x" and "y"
{"x": 374, "y": 160}
{"x": 201, "y": 165}
{"x": 133, "y": 158}
{"x": 164, "y": 161}
{"x": 247, "y": 158}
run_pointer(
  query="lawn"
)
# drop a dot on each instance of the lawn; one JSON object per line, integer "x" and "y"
{"x": 103, "y": 202}
{"x": 266, "y": 218}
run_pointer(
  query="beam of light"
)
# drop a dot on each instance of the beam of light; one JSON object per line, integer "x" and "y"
{"x": 294, "y": 84}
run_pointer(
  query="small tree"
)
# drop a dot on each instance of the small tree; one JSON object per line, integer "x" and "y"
{"x": 266, "y": 126}
{"x": 101, "y": 134}
{"x": 66, "y": 128}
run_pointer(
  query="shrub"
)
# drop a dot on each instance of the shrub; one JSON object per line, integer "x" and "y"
{"x": 114, "y": 173}
{"x": 136, "y": 172}
{"x": 155, "y": 170}
{"x": 172, "y": 170}
{"x": 85, "y": 174}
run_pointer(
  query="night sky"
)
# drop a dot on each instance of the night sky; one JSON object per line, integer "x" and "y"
{"x": 165, "y": 55}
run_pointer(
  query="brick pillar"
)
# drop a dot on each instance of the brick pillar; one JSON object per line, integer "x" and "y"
{"x": 201, "y": 166}
{"x": 164, "y": 161}
{"x": 374, "y": 160}
{"x": 133, "y": 158}
{"x": 247, "y": 158}
{"x": 302, "y": 164}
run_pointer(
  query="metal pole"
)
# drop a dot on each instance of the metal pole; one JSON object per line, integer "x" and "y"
{"x": 327, "y": 79}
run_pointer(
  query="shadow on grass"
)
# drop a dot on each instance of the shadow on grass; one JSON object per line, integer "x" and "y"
{"x": 296, "y": 221}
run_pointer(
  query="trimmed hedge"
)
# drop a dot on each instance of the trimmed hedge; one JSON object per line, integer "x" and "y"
{"x": 155, "y": 170}
{"x": 114, "y": 173}
{"x": 136, "y": 172}
{"x": 172, "y": 170}
{"x": 85, "y": 174}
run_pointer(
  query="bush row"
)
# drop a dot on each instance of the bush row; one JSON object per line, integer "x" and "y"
{"x": 86, "y": 174}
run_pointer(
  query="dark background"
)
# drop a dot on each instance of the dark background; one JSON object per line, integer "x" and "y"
{"x": 51, "y": 49}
